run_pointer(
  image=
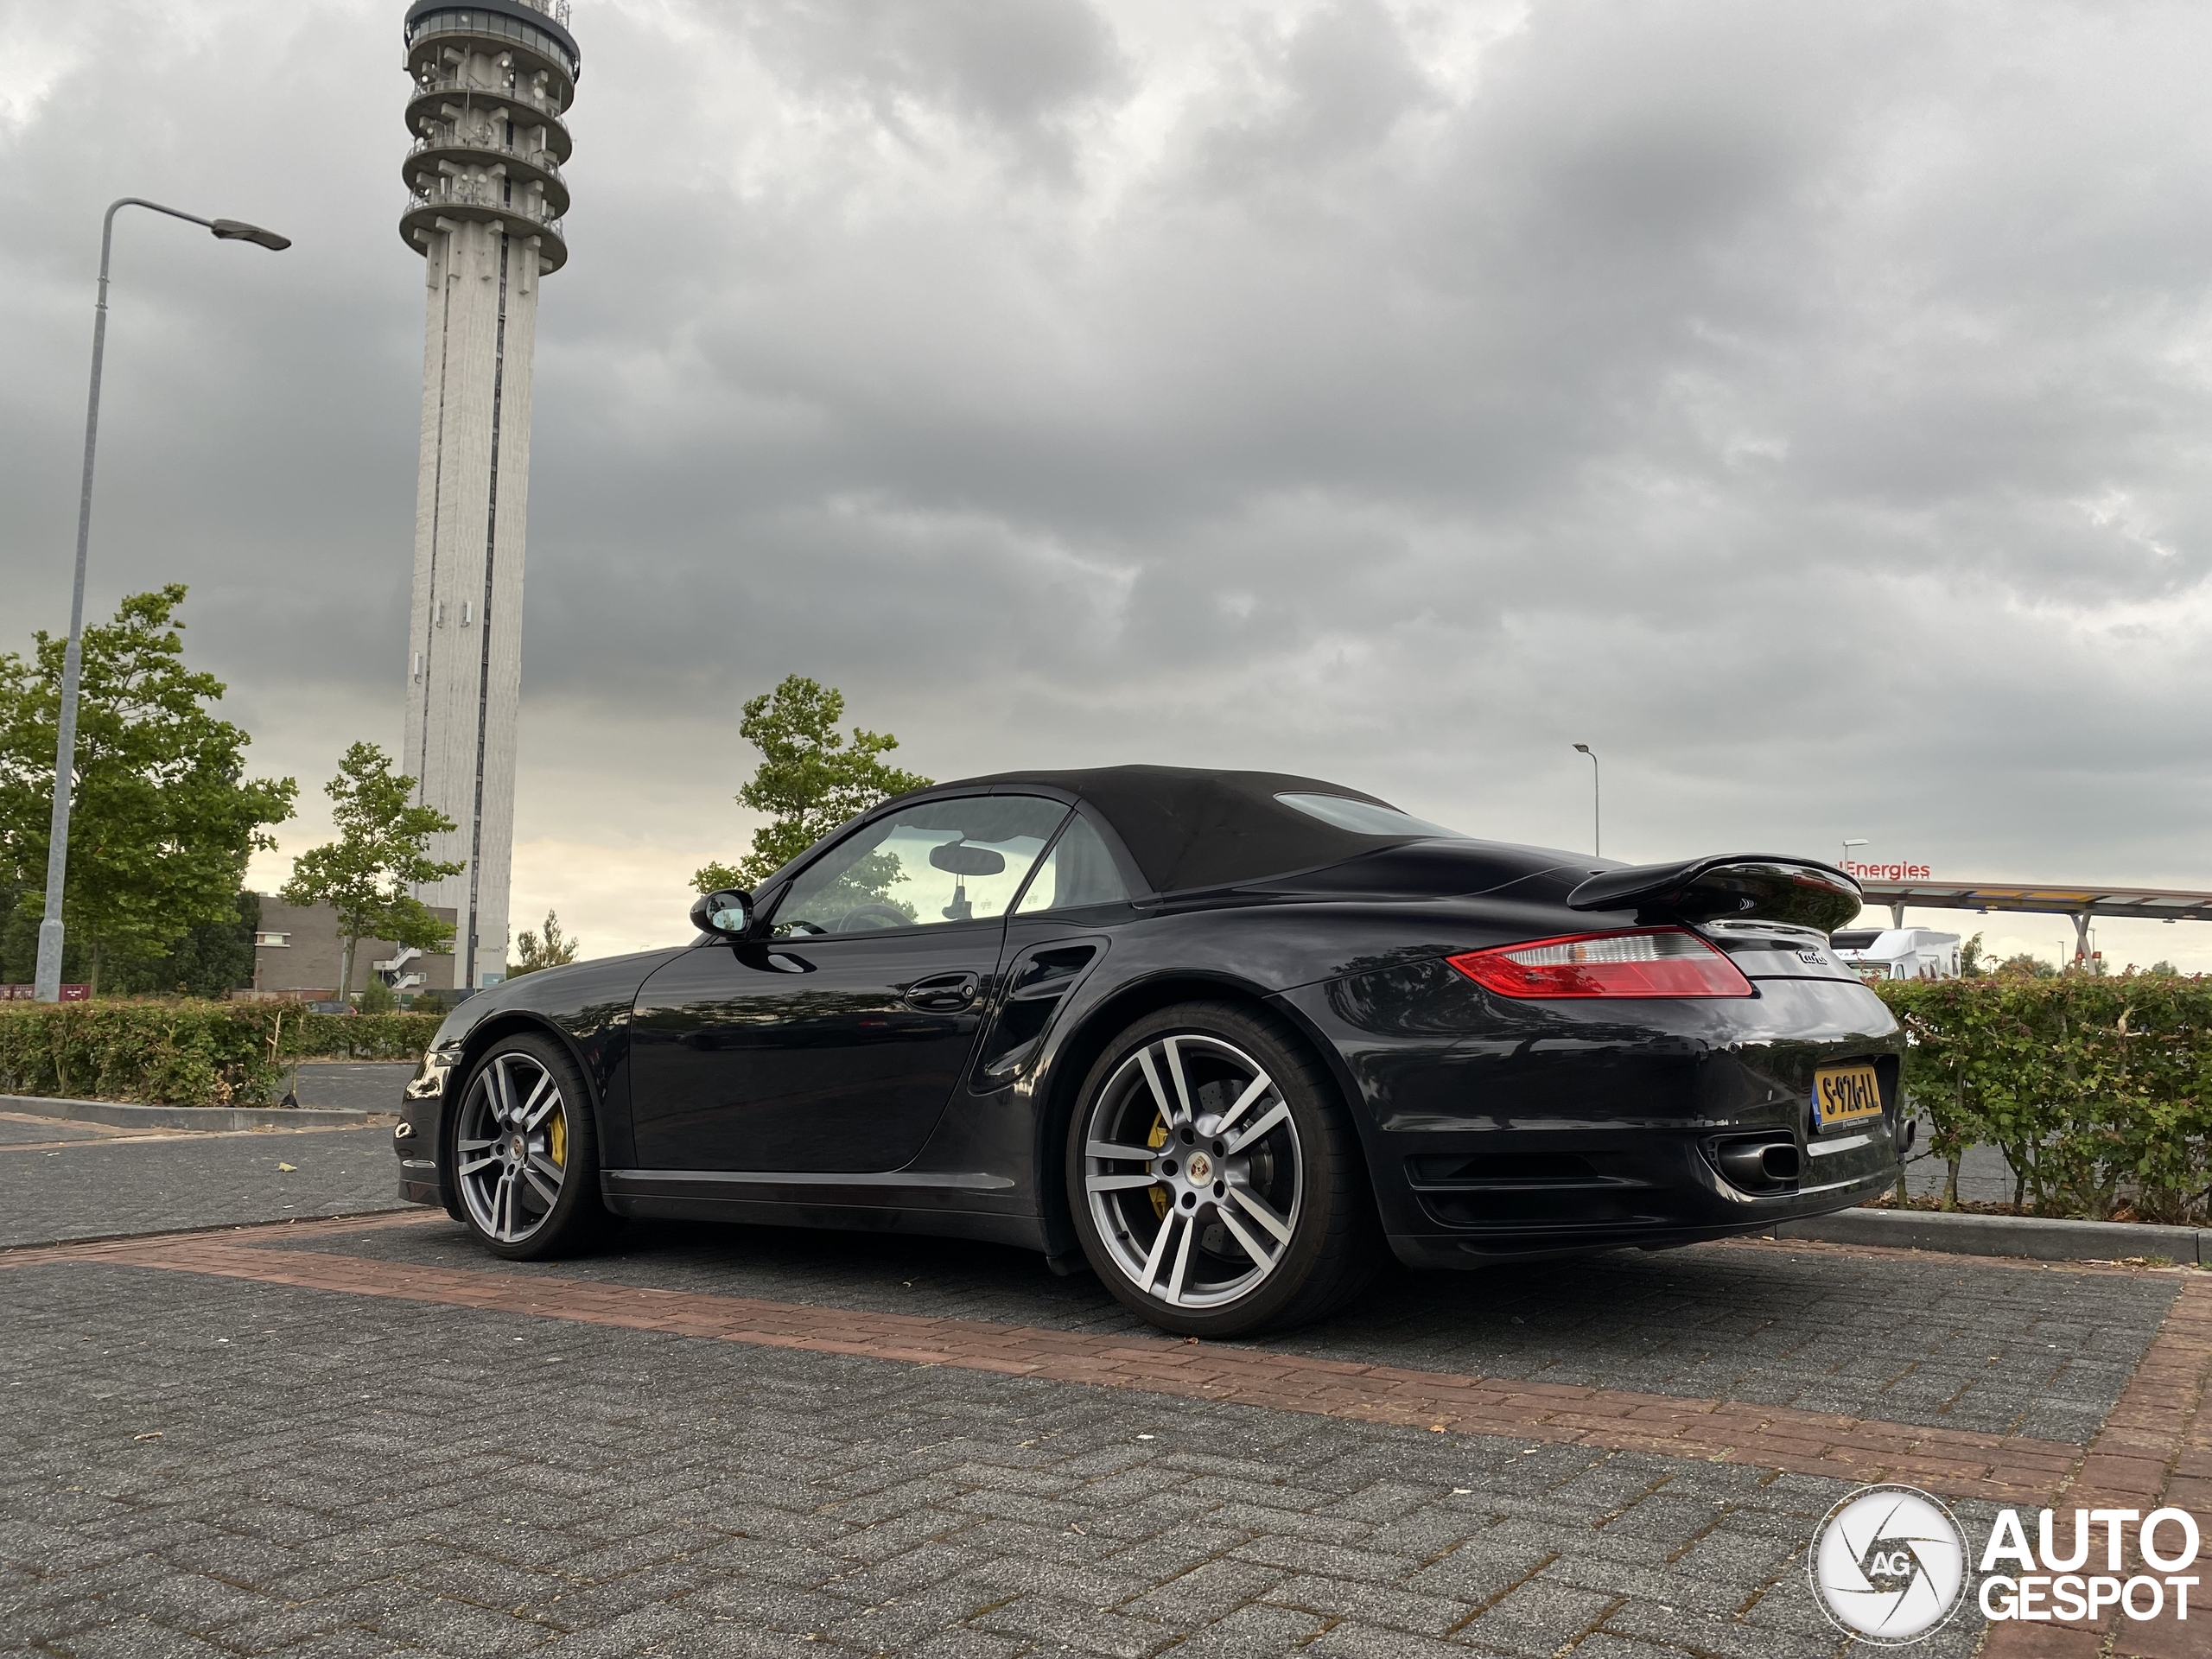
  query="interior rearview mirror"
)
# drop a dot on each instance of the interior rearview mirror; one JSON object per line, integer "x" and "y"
{"x": 727, "y": 912}
{"x": 958, "y": 858}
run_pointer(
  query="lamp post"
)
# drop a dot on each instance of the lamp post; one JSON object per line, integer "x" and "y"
{"x": 1597, "y": 819}
{"x": 1844, "y": 858}
{"x": 46, "y": 987}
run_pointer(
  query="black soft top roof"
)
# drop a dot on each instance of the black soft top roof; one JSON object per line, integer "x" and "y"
{"x": 1188, "y": 828}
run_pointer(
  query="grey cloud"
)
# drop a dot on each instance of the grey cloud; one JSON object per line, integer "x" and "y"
{"x": 1806, "y": 405}
{"x": 1017, "y": 69}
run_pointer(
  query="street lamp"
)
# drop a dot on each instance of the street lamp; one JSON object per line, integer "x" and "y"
{"x": 1859, "y": 842}
{"x": 46, "y": 987}
{"x": 1596, "y": 822}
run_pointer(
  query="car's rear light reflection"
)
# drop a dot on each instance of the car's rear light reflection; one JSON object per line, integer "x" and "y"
{"x": 1648, "y": 961}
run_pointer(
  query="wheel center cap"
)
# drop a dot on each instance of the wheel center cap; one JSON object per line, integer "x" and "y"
{"x": 515, "y": 1146}
{"x": 1199, "y": 1168}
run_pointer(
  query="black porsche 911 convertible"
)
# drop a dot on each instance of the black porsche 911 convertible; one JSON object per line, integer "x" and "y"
{"x": 1222, "y": 1036}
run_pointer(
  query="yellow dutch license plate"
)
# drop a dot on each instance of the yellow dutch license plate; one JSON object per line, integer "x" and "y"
{"x": 1845, "y": 1094}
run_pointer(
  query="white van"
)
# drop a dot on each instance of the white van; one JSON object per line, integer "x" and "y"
{"x": 1897, "y": 952}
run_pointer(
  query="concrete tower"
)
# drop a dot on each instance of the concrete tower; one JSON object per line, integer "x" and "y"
{"x": 492, "y": 79}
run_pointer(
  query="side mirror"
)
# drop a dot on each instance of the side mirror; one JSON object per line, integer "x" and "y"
{"x": 728, "y": 913}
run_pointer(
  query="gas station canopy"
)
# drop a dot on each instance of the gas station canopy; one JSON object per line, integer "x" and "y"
{"x": 2152, "y": 904}
{"x": 2083, "y": 903}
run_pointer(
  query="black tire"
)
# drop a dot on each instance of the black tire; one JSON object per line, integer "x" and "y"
{"x": 505, "y": 1148}
{"x": 1217, "y": 1195}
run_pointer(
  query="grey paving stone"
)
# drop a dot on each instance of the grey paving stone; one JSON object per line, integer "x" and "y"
{"x": 1482, "y": 1569}
{"x": 139, "y": 1638}
{"x": 21, "y": 1129}
{"x": 1604, "y": 1645}
{"x": 1385, "y": 1606}
{"x": 100, "y": 1187}
{"x": 1065, "y": 1624}
{"x": 656, "y": 1630}
{"x": 902, "y": 1622}
{"x": 354, "y": 1085}
{"x": 1253, "y": 1632}
{"x": 680, "y": 1497}
{"x": 962, "y": 1642}
{"x": 1541, "y": 1617}
{"x": 2037, "y": 1353}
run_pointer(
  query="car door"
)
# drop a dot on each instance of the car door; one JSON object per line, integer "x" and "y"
{"x": 833, "y": 1041}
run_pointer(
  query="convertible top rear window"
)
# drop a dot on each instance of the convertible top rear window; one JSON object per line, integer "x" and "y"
{"x": 1364, "y": 817}
{"x": 1189, "y": 829}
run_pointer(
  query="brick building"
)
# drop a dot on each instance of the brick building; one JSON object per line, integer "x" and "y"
{"x": 297, "y": 952}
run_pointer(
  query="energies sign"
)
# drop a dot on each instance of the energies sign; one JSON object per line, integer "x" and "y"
{"x": 1862, "y": 872}
{"x": 1889, "y": 1566}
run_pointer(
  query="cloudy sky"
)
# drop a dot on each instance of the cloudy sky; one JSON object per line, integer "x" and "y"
{"x": 1805, "y": 405}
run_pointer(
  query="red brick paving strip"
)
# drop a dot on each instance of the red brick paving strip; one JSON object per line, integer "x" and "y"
{"x": 1954, "y": 1461}
{"x": 2155, "y": 1449}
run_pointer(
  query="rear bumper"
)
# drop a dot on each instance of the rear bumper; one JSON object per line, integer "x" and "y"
{"x": 1499, "y": 1131}
{"x": 1654, "y": 1214}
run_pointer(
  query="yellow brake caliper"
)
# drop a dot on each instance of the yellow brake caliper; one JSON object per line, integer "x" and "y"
{"x": 1158, "y": 1138}
{"x": 556, "y": 1138}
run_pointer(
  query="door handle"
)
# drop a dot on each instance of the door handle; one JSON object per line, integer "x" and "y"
{"x": 942, "y": 993}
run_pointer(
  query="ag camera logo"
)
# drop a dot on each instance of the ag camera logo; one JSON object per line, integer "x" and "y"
{"x": 1888, "y": 1565}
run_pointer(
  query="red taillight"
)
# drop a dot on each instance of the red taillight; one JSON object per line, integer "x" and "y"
{"x": 1653, "y": 961}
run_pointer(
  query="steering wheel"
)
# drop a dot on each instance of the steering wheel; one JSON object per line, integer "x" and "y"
{"x": 867, "y": 918}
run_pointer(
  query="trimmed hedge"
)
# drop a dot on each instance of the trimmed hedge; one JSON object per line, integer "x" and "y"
{"x": 188, "y": 1053}
{"x": 2099, "y": 1091}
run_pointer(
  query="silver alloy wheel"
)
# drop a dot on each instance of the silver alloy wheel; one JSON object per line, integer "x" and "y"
{"x": 513, "y": 1148}
{"x": 1192, "y": 1171}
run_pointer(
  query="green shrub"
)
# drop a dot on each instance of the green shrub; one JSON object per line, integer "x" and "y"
{"x": 394, "y": 1036}
{"x": 2098, "y": 1091}
{"x": 188, "y": 1053}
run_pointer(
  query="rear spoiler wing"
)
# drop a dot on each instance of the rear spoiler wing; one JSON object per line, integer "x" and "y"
{"x": 1757, "y": 886}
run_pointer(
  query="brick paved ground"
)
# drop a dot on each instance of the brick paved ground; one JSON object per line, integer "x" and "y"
{"x": 483, "y": 1483}
{"x": 101, "y": 1185}
{"x": 1922, "y": 1340}
{"x": 366, "y": 1438}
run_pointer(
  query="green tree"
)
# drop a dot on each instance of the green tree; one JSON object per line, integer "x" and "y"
{"x": 1971, "y": 961}
{"x": 381, "y": 853}
{"x": 553, "y": 950}
{"x": 208, "y": 959}
{"x": 810, "y": 778}
{"x": 163, "y": 817}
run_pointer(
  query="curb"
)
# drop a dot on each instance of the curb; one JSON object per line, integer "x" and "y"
{"x": 118, "y": 1115}
{"x": 413, "y": 1211}
{"x": 2032, "y": 1236}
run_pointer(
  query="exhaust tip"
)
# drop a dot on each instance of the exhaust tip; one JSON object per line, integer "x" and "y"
{"x": 1760, "y": 1166}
